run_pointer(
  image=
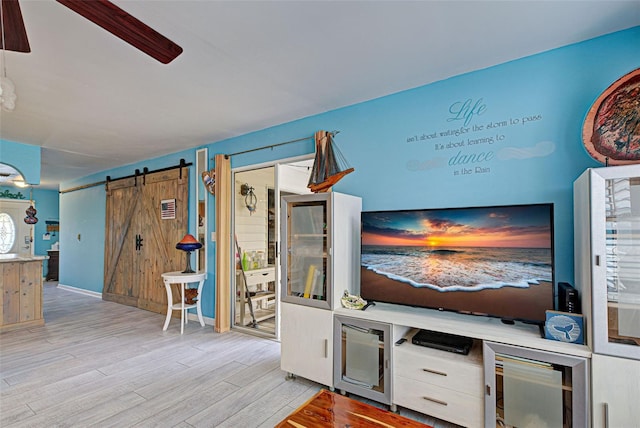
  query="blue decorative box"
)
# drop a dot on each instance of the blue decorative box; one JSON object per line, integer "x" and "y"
{"x": 564, "y": 326}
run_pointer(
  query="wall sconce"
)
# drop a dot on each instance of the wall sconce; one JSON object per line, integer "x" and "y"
{"x": 250, "y": 199}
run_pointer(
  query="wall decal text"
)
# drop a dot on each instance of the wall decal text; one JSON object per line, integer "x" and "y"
{"x": 472, "y": 145}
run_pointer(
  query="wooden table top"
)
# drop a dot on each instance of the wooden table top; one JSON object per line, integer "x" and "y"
{"x": 328, "y": 409}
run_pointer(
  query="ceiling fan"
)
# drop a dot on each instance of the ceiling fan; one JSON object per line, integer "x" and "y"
{"x": 102, "y": 13}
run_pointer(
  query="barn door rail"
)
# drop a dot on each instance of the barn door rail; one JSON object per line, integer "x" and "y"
{"x": 271, "y": 146}
{"x": 135, "y": 175}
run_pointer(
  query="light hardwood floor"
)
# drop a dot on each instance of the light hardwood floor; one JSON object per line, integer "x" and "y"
{"x": 97, "y": 363}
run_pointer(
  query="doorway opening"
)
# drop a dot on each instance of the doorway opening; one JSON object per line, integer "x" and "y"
{"x": 17, "y": 236}
{"x": 256, "y": 225}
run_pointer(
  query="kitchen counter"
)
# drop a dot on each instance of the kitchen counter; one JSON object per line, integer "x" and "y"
{"x": 20, "y": 291}
{"x": 9, "y": 258}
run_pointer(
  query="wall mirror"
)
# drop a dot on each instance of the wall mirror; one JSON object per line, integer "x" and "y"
{"x": 202, "y": 164}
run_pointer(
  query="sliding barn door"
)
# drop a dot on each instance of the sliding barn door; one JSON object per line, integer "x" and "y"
{"x": 140, "y": 238}
{"x": 120, "y": 247}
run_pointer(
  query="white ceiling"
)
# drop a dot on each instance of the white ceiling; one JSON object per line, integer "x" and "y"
{"x": 94, "y": 102}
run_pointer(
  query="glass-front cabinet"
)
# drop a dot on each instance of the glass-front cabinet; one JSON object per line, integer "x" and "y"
{"x": 607, "y": 269}
{"x": 607, "y": 210}
{"x": 622, "y": 261}
{"x": 307, "y": 251}
{"x": 527, "y": 387}
{"x": 321, "y": 254}
{"x": 362, "y": 355}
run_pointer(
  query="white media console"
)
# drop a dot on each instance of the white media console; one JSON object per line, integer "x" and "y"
{"x": 355, "y": 351}
{"x": 452, "y": 387}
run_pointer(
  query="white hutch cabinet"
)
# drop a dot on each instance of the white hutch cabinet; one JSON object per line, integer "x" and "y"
{"x": 607, "y": 269}
{"x": 320, "y": 259}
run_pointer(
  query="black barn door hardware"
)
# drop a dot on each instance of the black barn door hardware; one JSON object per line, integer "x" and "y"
{"x": 181, "y": 165}
{"x": 139, "y": 242}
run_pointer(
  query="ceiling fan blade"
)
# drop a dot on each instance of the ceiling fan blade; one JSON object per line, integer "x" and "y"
{"x": 121, "y": 24}
{"x": 15, "y": 35}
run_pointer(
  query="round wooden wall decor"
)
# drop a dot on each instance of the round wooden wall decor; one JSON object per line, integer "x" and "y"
{"x": 611, "y": 131}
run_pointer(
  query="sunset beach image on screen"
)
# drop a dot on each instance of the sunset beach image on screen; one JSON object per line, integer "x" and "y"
{"x": 481, "y": 260}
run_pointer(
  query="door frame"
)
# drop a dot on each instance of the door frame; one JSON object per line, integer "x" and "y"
{"x": 19, "y": 206}
{"x": 277, "y": 190}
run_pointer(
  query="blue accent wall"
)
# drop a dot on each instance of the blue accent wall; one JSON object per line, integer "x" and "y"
{"x": 508, "y": 134}
{"x": 82, "y": 227}
{"x": 47, "y": 203}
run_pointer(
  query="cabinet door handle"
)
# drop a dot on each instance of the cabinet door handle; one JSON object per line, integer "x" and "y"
{"x": 597, "y": 260}
{"x": 488, "y": 389}
{"x": 326, "y": 348}
{"x": 434, "y": 372}
{"x": 444, "y": 403}
{"x": 606, "y": 415}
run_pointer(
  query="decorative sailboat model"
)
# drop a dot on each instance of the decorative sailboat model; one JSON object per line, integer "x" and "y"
{"x": 329, "y": 165}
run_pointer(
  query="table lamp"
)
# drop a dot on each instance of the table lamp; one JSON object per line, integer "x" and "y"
{"x": 188, "y": 244}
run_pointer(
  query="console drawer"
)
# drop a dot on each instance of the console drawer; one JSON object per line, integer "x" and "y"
{"x": 439, "y": 402}
{"x": 463, "y": 373}
{"x": 260, "y": 276}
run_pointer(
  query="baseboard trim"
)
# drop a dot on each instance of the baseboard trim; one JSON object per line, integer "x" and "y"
{"x": 194, "y": 317}
{"x": 80, "y": 291}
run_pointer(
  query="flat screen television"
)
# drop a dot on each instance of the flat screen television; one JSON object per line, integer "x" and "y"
{"x": 492, "y": 261}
